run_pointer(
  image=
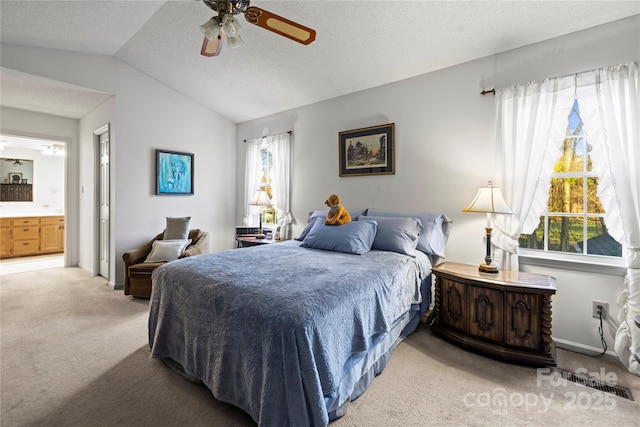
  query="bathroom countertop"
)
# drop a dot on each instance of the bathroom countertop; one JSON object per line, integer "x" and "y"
{"x": 28, "y": 214}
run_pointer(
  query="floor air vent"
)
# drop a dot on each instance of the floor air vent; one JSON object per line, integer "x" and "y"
{"x": 597, "y": 384}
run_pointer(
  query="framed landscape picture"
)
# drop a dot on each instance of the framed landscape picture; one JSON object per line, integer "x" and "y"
{"x": 174, "y": 172}
{"x": 367, "y": 151}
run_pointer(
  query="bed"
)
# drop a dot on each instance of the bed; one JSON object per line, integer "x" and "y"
{"x": 292, "y": 332}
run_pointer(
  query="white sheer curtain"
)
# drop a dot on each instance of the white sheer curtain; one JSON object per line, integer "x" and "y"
{"x": 280, "y": 147}
{"x": 610, "y": 110}
{"x": 532, "y": 120}
{"x": 252, "y": 175}
{"x": 531, "y": 123}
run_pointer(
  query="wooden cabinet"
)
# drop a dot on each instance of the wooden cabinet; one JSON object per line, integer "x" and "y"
{"x": 32, "y": 236}
{"x": 16, "y": 192}
{"x": 5, "y": 237}
{"x": 506, "y": 315}
{"x": 26, "y": 236}
{"x": 51, "y": 234}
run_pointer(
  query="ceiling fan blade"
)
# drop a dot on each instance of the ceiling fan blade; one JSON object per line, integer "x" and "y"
{"x": 280, "y": 25}
{"x": 212, "y": 47}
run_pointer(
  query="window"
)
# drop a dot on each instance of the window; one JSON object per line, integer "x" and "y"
{"x": 268, "y": 168}
{"x": 269, "y": 215}
{"x": 574, "y": 220}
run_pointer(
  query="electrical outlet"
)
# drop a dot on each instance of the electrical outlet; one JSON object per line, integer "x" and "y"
{"x": 605, "y": 309}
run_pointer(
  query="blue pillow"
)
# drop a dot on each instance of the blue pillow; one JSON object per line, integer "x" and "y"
{"x": 314, "y": 215}
{"x": 354, "y": 237}
{"x": 396, "y": 234}
{"x": 354, "y": 213}
{"x": 309, "y": 226}
{"x": 434, "y": 236}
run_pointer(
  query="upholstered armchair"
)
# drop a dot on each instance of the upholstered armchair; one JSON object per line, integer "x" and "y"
{"x": 137, "y": 272}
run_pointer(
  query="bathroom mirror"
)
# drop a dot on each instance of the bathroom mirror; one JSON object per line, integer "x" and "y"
{"x": 16, "y": 176}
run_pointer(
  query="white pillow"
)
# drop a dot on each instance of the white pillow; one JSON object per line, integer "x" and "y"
{"x": 167, "y": 250}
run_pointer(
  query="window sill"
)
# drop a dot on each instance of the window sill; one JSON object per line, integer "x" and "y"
{"x": 586, "y": 264}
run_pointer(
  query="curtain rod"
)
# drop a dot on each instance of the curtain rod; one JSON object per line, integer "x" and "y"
{"x": 493, "y": 91}
{"x": 265, "y": 136}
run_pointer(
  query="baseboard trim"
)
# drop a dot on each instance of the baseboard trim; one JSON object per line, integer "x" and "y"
{"x": 85, "y": 268}
{"x": 112, "y": 285}
{"x": 585, "y": 349}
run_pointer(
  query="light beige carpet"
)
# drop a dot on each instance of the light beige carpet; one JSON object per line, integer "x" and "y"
{"x": 74, "y": 353}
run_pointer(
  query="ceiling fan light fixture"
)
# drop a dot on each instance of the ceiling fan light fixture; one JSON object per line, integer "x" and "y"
{"x": 225, "y": 26}
{"x": 235, "y": 42}
{"x": 212, "y": 47}
{"x": 231, "y": 26}
{"x": 211, "y": 28}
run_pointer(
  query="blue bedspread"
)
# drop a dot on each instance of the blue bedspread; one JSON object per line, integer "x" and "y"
{"x": 272, "y": 329}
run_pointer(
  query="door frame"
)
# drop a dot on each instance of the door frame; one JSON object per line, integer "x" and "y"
{"x": 97, "y": 178}
{"x": 69, "y": 245}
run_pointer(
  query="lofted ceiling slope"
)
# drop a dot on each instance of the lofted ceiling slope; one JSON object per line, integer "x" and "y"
{"x": 359, "y": 45}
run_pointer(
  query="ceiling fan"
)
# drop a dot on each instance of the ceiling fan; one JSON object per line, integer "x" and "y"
{"x": 16, "y": 162}
{"x": 225, "y": 27}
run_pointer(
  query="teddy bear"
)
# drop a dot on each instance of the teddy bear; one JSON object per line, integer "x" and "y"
{"x": 337, "y": 215}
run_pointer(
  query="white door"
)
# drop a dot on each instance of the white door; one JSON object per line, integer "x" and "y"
{"x": 103, "y": 197}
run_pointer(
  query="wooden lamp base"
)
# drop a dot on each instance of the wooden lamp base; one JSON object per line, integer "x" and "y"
{"x": 488, "y": 266}
{"x": 485, "y": 268}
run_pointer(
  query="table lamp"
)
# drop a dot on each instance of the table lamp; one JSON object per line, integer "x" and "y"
{"x": 260, "y": 198}
{"x": 489, "y": 200}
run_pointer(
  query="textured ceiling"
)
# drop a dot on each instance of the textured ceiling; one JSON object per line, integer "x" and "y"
{"x": 35, "y": 93}
{"x": 359, "y": 44}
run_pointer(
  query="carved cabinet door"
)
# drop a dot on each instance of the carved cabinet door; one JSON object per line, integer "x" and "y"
{"x": 523, "y": 320}
{"x": 485, "y": 313}
{"x": 453, "y": 304}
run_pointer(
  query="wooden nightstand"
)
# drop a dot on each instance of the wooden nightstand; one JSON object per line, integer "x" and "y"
{"x": 505, "y": 315}
{"x": 247, "y": 241}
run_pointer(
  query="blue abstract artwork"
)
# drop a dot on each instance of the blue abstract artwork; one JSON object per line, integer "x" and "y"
{"x": 175, "y": 172}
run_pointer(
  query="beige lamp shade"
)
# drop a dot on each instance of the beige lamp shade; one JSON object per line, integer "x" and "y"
{"x": 260, "y": 198}
{"x": 489, "y": 199}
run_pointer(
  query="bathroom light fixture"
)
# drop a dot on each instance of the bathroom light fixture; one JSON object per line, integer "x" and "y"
{"x": 53, "y": 150}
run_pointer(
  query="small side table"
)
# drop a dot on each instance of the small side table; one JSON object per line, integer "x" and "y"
{"x": 506, "y": 315}
{"x": 248, "y": 241}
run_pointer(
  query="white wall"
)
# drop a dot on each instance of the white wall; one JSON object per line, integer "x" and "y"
{"x": 445, "y": 149}
{"x": 144, "y": 115}
{"x": 26, "y": 123}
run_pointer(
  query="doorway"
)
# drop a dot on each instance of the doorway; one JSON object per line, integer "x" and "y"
{"x": 103, "y": 151}
{"x": 45, "y": 186}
